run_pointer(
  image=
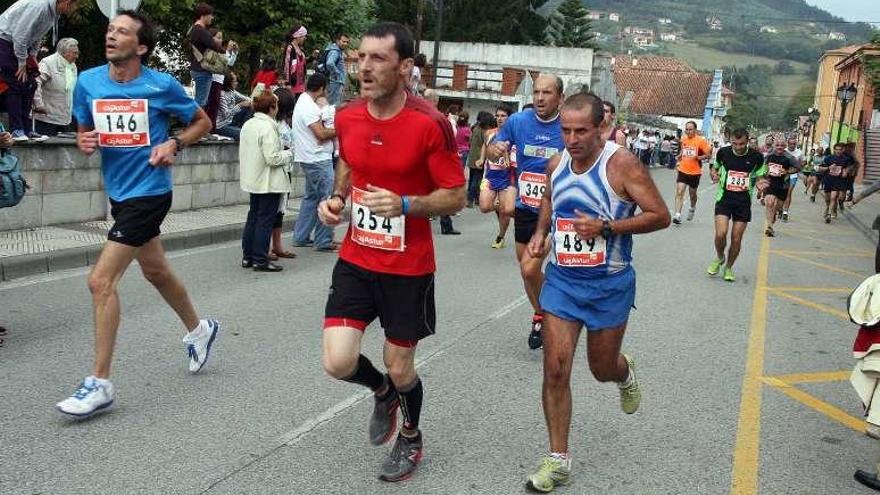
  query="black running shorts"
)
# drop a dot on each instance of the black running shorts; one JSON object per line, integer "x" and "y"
{"x": 780, "y": 192}
{"x": 525, "y": 222}
{"x": 138, "y": 219}
{"x": 692, "y": 181}
{"x": 404, "y": 304}
{"x": 736, "y": 211}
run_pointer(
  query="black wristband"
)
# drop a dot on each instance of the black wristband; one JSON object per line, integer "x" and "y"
{"x": 337, "y": 195}
{"x": 179, "y": 144}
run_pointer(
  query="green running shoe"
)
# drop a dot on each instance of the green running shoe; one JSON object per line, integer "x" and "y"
{"x": 631, "y": 396}
{"x": 715, "y": 267}
{"x": 552, "y": 472}
{"x": 728, "y": 275}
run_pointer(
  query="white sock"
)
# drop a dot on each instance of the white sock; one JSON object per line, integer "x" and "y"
{"x": 101, "y": 381}
{"x": 562, "y": 456}
{"x": 199, "y": 330}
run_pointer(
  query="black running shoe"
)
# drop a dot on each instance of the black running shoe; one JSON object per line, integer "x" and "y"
{"x": 536, "y": 339}
{"x": 383, "y": 422}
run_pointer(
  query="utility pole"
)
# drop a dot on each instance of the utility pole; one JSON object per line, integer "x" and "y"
{"x": 420, "y": 18}
{"x": 438, "y": 36}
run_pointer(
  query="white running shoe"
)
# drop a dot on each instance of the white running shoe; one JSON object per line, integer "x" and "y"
{"x": 691, "y": 214}
{"x": 92, "y": 396}
{"x": 199, "y": 342}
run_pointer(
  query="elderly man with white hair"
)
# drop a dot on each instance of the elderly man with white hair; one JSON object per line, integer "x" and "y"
{"x": 54, "y": 96}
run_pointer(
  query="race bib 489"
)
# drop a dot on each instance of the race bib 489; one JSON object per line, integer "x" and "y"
{"x": 122, "y": 123}
{"x": 573, "y": 251}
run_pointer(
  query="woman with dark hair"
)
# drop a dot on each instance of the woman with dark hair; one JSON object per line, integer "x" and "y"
{"x": 235, "y": 108}
{"x": 295, "y": 60}
{"x": 497, "y": 190}
{"x": 415, "y": 77}
{"x": 268, "y": 75}
{"x": 286, "y": 102}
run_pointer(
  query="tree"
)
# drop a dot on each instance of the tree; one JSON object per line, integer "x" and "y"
{"x": 257, "y": 26}
{"x": 872, "y": 68}
{"x": 569, "y": 26}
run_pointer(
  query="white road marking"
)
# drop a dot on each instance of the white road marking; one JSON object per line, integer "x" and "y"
{"x": 306, "y": 427}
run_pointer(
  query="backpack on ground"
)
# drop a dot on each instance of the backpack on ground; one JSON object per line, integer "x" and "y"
{"x": 12, "y": 183}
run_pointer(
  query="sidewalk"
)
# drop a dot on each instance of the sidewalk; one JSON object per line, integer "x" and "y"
{"x": 48, "y": 249}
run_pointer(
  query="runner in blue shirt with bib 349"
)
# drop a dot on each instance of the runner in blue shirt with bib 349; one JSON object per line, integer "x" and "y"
{"x": 537, "y": 137}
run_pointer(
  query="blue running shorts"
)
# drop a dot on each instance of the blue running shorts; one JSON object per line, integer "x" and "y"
{"x": 598, "y": 303}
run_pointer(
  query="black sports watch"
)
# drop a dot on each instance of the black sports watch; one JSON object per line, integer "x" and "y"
{"x": 179, "y": 144}
{"x": 607, "y": 231}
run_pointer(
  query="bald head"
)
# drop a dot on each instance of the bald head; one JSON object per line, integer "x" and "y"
{"x": 547, "y": 95}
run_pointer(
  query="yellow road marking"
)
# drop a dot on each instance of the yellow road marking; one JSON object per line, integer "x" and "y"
{"x": 843, "y": 254}
{"x": 746, "y": 454}
{"x": 821, "y": 406}
{"x": 810, "y": 304}
{"x": 836, "y": 244}
{"x": 822, "y": 376}
{"x": 787, "y": 288}
{"x": 830, "y": 268}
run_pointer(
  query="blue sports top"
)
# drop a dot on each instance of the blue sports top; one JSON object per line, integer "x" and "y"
{"x": 131, "y": 118}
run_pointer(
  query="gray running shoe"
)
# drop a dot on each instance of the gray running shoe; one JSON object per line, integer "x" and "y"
{"x": 403, "y": 459}
{"x": 383, "y": 422}
{"x": 690, "y": 216}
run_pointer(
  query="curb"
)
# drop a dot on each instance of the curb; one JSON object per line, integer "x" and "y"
{"x": 13, "y": 267}
{"x": 862, "y": 227}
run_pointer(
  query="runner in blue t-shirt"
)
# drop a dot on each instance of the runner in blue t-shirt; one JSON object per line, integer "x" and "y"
{"x": 537, "y": 137}
{"x": 123, "y": 110}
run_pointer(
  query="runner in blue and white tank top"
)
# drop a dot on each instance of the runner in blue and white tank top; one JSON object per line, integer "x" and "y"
{"x": 588, "y": 211}
{"x": 587, "y": 193}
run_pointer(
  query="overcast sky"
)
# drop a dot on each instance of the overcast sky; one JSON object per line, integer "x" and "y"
{"x": 851, "y": 10}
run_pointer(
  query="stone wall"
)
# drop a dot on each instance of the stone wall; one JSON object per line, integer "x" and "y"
{"x": 66, "y": 186}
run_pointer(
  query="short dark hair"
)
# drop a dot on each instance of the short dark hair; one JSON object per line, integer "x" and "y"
{"x": 690, "y": 122}
{"x": 584, "y": 101}
{"x": 839, "y": 145}
{"x": 339, "y": 35}
{"x": 610, "y": 105}
{"x": 740, "y": 132}
{"x": 202, "y": 9}
{"x": 404, "y": 44}
{"x": 286, "y": 103}
{"x": 268, "y": 63}
{"x": 316, "y": 81}
{"x": 504, "y": 108}
{"x": 146, "y": 34}
{"x": 264, "y": 102}
{"x": 227, "y": 81}
{"x": 486, "y": 120}
{"x": 420, "y": 60}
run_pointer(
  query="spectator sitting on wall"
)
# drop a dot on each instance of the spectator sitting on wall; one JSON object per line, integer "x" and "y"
{"x": 235, "y": 108}
{"x": 54, "y": 96}
{"x": 22, "y": 27}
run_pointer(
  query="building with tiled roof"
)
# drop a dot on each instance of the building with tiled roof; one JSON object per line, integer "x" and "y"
{"x": 669, "y": 89}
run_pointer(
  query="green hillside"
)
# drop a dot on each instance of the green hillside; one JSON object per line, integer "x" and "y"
{"x": 702, "y": 58}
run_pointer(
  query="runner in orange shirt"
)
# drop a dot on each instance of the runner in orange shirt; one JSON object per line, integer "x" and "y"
{"x": 694, "y": 149}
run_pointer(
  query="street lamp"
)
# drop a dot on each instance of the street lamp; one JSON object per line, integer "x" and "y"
{"x": 814, "y": 117}
{"x": 846, "y": 94}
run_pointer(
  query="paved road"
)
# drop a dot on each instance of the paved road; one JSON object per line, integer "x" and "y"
{"x": 716, "y": 363}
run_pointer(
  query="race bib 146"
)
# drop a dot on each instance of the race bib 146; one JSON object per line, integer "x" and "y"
{"x": 122, "y": 123}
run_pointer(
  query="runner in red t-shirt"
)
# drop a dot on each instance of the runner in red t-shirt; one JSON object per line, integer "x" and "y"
{"x": 399, "y": 165}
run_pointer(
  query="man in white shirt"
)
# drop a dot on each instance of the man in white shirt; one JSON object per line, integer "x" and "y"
{"x": 798, "y": 156}
{"x": 313, "y": 151}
